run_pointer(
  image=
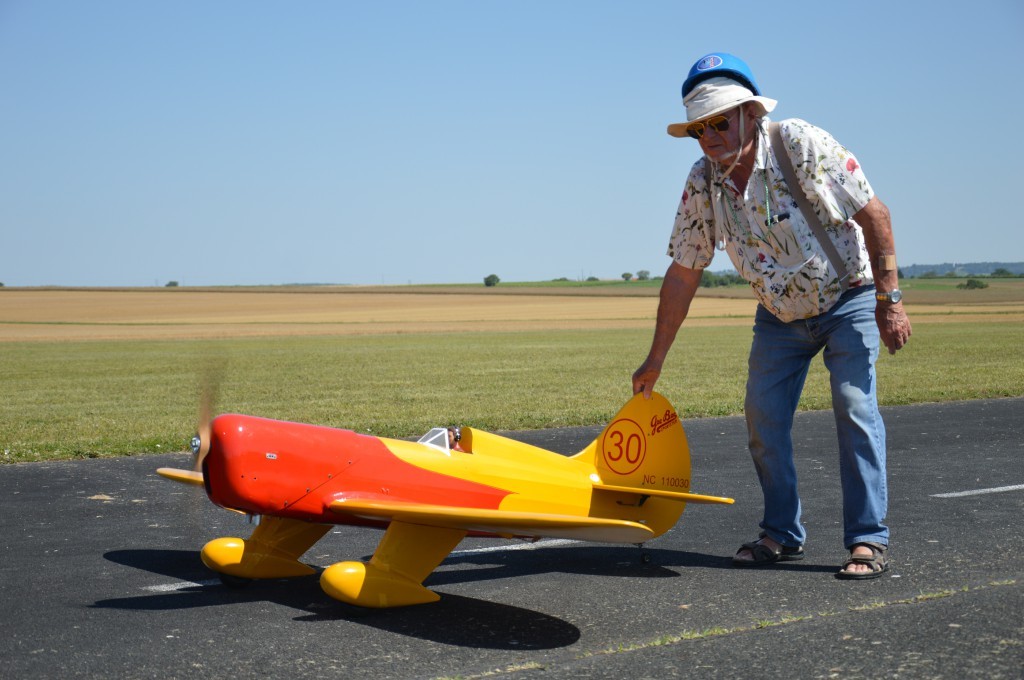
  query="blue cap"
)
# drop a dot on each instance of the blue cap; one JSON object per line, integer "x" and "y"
{"x": 720, "y": 65}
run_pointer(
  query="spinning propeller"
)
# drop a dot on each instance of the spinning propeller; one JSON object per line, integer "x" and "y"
{"x": 200, "y": 443}
{"x": 209, "y": 387}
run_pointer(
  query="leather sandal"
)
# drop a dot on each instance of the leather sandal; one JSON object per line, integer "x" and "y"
{"x": 878, "y": 561}
{"x": 762, "y": 555}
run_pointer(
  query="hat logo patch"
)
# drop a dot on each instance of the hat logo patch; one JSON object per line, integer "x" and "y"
{"x": 709, "y": 62}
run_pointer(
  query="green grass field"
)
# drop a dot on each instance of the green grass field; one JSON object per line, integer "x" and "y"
{"x": 104, "y": 398}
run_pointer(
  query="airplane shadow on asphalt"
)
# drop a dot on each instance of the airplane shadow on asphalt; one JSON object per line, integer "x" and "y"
{"x": 586, "y": 560}
{"x": 455, "y": 619}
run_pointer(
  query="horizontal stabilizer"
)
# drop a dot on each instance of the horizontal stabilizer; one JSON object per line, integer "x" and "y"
{"x": 499, "y": 522}
{"x": 673, "y": 495}
{"x": 184, "y": 476}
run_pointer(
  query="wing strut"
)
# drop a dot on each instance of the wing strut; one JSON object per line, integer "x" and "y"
{"x": 393, "y": 576}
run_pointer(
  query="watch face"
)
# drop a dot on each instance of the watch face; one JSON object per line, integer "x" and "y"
{"x": 893, "y": 296}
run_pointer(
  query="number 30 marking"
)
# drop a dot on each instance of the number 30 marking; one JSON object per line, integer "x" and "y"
{"x": 624, "y": 447}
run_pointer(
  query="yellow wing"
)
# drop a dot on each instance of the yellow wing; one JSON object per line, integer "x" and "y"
{"x": 674, "y": 495}
{"x": 500, "y": 522}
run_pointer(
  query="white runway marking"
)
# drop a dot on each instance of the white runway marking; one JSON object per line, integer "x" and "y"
{"x": 978, "y": 492}
{"x": 181, "y": 585}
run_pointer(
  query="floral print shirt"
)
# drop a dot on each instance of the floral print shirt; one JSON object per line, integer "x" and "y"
{"x": 764, "y": 232}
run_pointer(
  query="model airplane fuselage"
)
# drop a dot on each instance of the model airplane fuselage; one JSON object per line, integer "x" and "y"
{"x": 630, "y": 485}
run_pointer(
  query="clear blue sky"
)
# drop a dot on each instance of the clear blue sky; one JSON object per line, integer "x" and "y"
{"x": 247, "y": 142}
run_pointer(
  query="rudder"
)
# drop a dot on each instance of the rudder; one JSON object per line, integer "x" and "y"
{"x": 641, "y": 459}
{"x": 644, "y": 446}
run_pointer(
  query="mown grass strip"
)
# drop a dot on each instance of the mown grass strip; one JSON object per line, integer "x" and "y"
{"x": 720, "y": 631}
{"x": 101, "y": 398}
{"x": 787, "y": 619}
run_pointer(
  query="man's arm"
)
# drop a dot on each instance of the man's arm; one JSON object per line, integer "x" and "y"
{"x": 677, "y": 291}
{"x": 893, "y": 324}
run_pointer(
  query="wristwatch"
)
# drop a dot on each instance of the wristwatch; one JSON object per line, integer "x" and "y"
{"x": 893, "y": 296}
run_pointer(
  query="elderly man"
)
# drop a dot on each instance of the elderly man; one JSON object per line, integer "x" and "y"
{"x": 818, "y": 251}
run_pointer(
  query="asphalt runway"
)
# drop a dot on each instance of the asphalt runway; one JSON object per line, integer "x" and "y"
{"x": 101, "y": 577}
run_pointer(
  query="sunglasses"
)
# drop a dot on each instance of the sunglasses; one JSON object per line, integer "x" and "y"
{"x": 718, "y": 124}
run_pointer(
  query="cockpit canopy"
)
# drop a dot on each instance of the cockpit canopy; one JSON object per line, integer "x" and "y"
{"x": 437, "y": 438}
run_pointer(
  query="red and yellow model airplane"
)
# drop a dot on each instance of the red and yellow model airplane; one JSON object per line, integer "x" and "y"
{"x": 629, "y": 485}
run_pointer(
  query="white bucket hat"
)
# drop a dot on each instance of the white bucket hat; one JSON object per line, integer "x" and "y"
{"x": 714, "y": 96}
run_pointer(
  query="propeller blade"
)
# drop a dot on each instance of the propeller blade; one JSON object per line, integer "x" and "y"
{"x": 207, "y": 398}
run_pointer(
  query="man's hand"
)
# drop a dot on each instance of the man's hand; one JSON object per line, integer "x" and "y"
{"x": 677, "y": 291}
{"x": 893, "y": 325}
{"x": 645, "y": 377}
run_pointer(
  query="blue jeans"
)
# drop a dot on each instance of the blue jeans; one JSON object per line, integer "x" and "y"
{"x": 780, "y": 357}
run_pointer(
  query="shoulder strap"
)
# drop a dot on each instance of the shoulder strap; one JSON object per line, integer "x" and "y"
{"x": 709, "y": 173}
{"x": 811, "y": 217}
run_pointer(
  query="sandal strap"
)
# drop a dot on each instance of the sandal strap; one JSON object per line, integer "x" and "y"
{"x": 876, "y": 560}
{"x": 761, "y": 552}
{"x": 876, "y": 548}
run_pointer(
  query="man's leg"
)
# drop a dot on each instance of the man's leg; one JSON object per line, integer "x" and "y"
{"x": 850, "y": 355}
{"x": 779, "y": 359}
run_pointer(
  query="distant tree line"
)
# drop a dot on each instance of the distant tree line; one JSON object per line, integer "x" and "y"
{"x": 963, "y": 269}
{"x": 999, "y": 273}
{"x": 720, "y": 279}
{"x": 713, "y": 280}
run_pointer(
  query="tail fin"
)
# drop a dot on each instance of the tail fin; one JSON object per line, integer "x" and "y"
{"x": 642, "y": 464}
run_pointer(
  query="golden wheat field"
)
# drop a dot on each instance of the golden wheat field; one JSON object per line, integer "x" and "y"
{"x": 41, "y": 315}
{"x": 180, "y": 313}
